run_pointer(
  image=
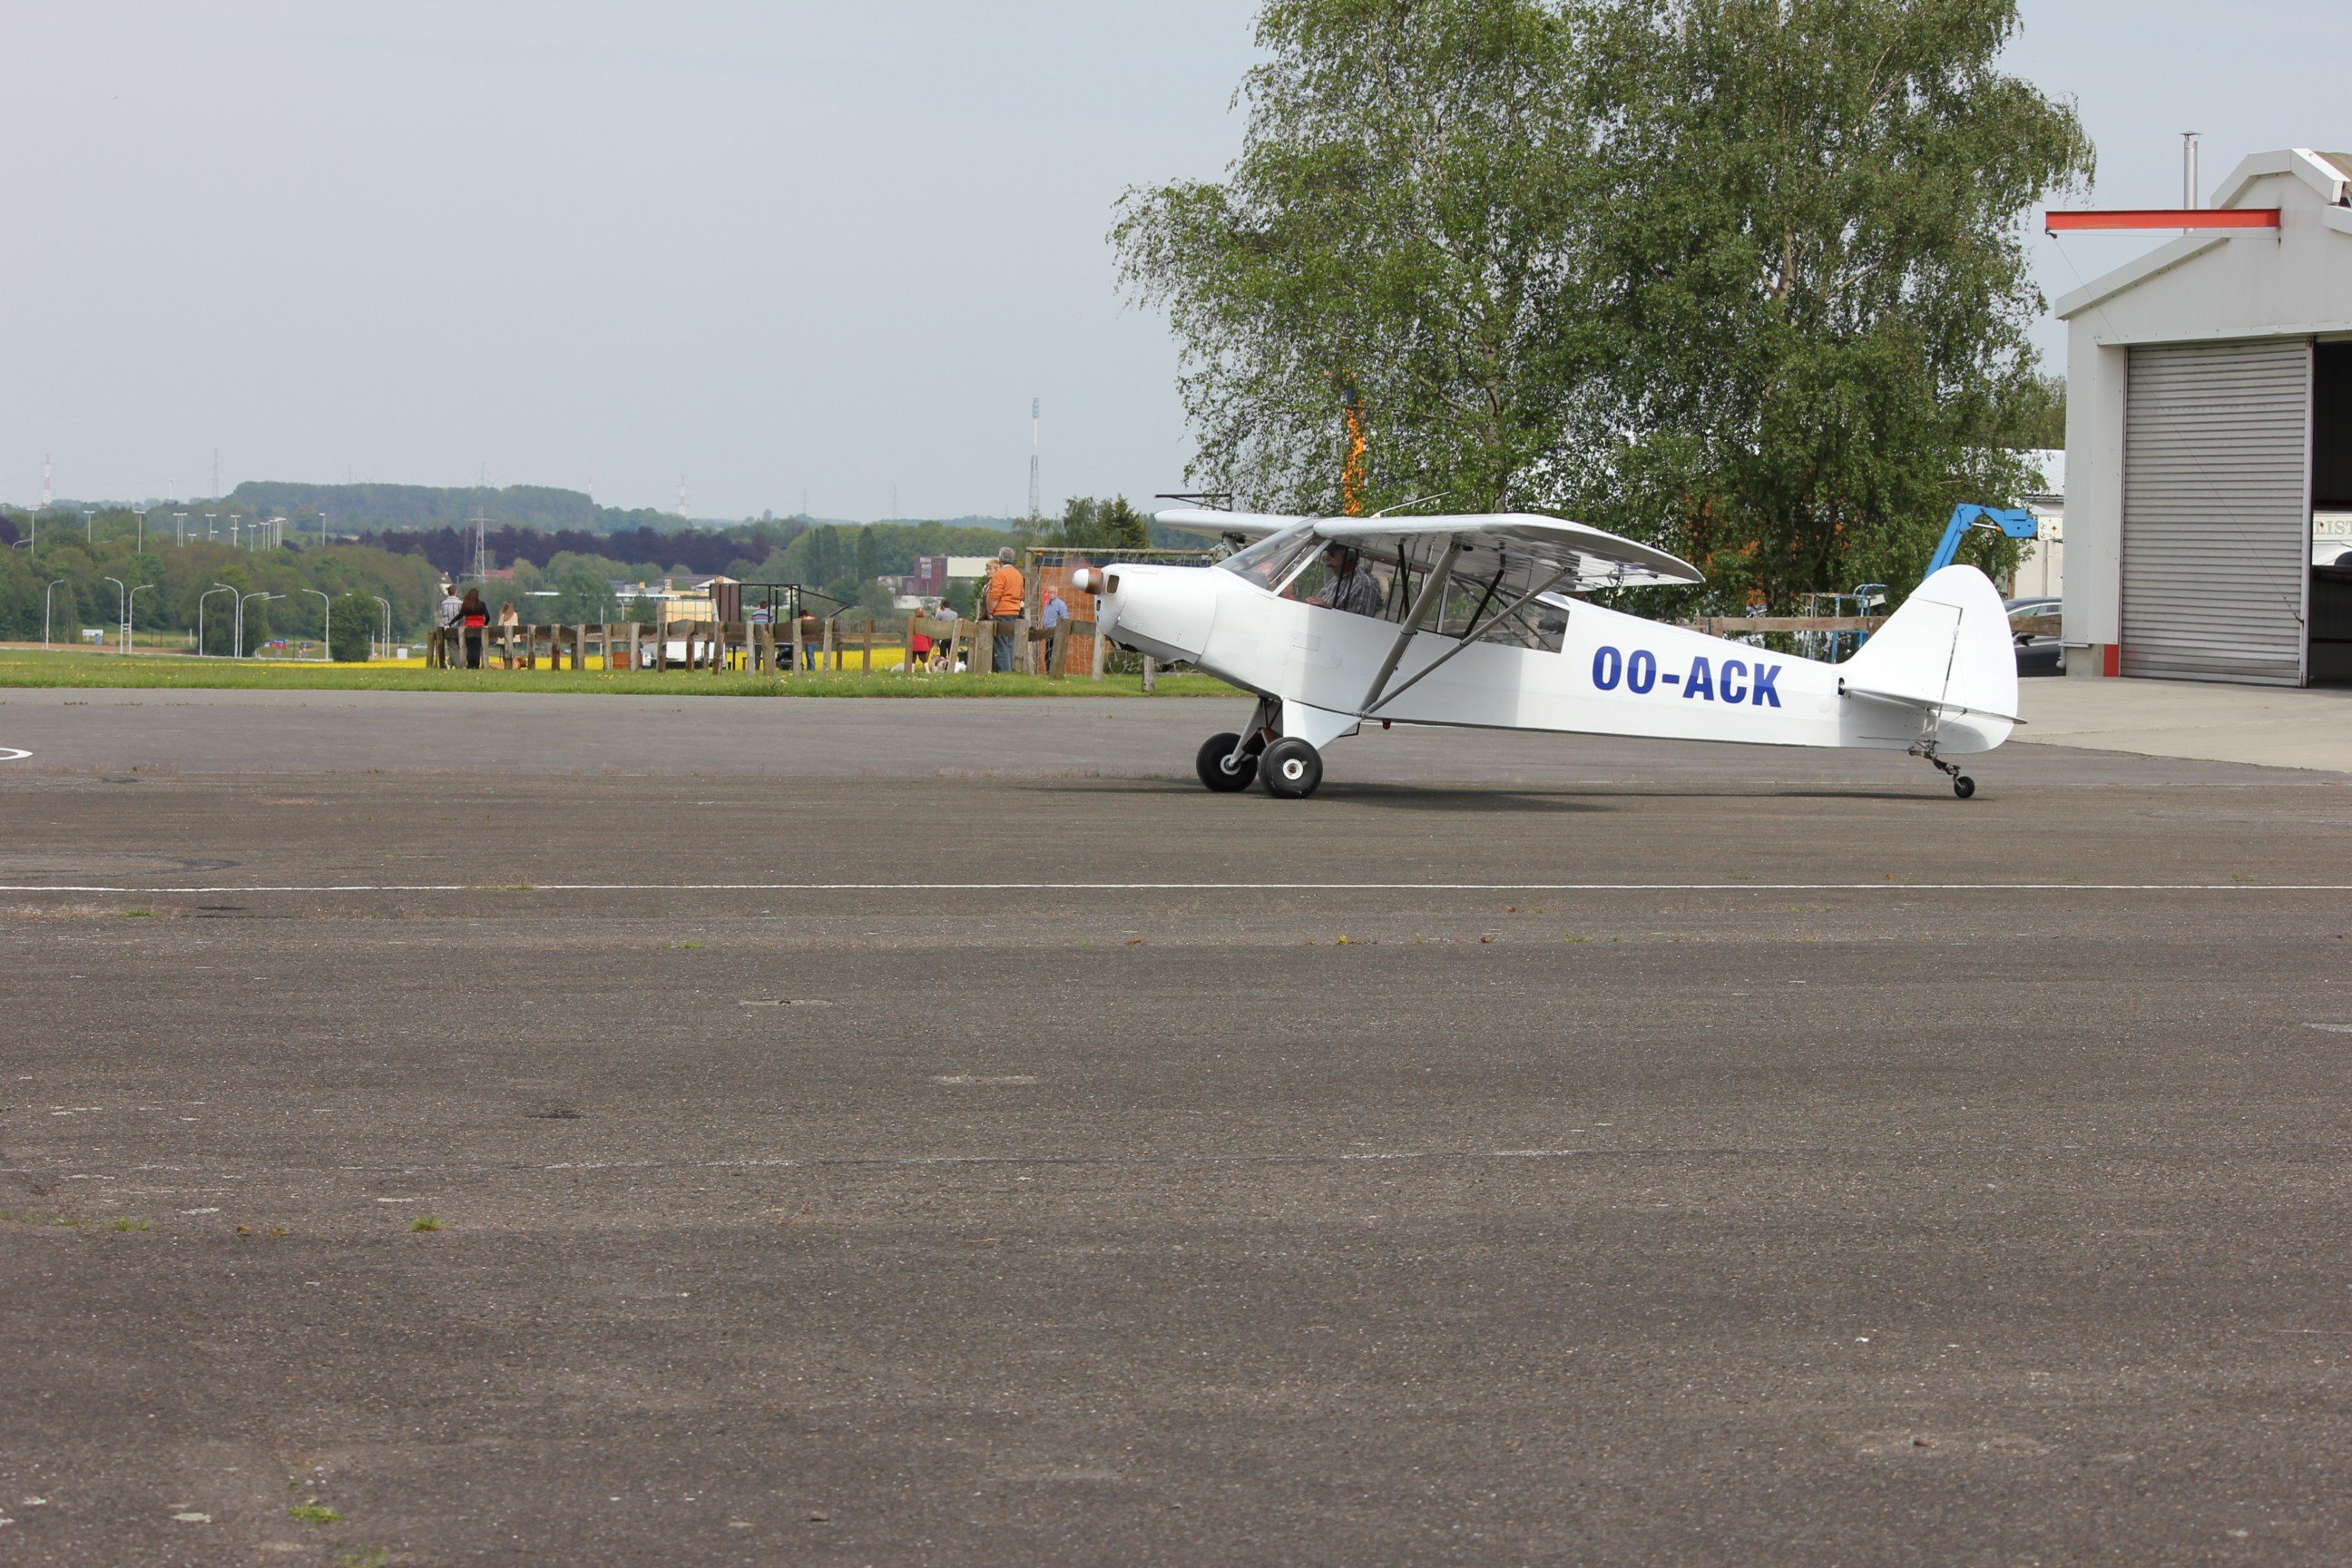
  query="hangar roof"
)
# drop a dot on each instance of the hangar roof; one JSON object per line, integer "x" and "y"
{"x": 2294, "y": 280}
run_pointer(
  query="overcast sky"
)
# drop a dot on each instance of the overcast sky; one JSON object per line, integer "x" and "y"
{"x": 781, "y": 250}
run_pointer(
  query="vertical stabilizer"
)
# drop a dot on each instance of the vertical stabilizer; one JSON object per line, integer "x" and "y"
{"x": 1946, "y": 652}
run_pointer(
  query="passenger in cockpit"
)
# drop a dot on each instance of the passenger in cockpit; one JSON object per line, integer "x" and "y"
{"x": 1346, "y": 585}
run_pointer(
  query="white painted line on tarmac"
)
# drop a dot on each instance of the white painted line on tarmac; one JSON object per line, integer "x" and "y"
{"x": 520, "y": 888}
{"x": 12, "y": 753}
{"x": 2282, "y": 1148}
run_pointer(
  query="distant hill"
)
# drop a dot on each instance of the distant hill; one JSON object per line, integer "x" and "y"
{"x": 405, "y": 507}
{"x": 408, "y": 507}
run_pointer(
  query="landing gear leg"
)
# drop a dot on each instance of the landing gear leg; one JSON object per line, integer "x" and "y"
{"x": 1228, "y": 761}
{"x": 1962, "y": 786}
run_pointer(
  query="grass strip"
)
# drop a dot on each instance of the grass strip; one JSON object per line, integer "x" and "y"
{"x": 119, "y": 671}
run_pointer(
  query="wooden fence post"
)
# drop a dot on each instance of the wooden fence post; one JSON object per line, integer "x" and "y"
{"x": 1102, "y": 653}
{"x": 832, "y": 654}
{"x": 870, "y": 645}
{"x": 1150, "y": 669}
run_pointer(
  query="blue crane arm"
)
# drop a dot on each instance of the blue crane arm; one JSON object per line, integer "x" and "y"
{"x": 2015, "y": 521}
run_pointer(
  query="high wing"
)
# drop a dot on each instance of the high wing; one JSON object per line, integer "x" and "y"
{"x": 1528, "y": 551}
{"x": 1250, "y": 525}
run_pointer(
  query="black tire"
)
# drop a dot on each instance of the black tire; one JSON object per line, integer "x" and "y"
{"x": 1210, "y": 764}
{"x": 1291, "y": 769}
{"x": 1963, "y": 785}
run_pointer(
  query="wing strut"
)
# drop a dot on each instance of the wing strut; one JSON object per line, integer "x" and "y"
{"x": 1469, "y": 634}
{"x": 1431, "y": 586}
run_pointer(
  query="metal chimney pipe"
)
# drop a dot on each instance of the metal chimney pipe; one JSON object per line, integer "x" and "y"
{"x": 2189, "y": 168}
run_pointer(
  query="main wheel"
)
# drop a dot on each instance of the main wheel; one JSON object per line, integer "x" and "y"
{"x": 1215, "y": 753}
{"x": 1291, "y": 769}
{"x": 1963, "y": 785}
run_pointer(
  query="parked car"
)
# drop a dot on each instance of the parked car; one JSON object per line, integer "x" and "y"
{"x": 2038, "y": 653}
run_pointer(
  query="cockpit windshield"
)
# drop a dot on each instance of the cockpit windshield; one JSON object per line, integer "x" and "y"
{"x": 1297, "y": 563}
{"x": 1274, "y": 559}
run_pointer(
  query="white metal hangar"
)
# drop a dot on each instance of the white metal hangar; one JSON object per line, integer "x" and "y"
{"x": 2208, "y": 436}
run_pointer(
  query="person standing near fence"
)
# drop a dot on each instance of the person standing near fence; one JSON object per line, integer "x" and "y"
{"x": 1053, "y": 615}
{"x": 444, "y": 623}
{"x": 475, "y": 617}
{"x": 1000, "y": 603}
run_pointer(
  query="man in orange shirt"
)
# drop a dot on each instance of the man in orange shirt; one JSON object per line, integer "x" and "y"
{"x": 1000, "y": 603}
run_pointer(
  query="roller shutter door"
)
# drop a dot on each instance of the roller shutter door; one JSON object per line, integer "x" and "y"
{"x": 2217, "y": 519}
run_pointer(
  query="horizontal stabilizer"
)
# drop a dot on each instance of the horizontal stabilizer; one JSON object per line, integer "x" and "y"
{"x": 1846, "y": 689}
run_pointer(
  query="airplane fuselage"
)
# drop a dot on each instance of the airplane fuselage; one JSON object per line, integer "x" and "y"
{"x": 1614, "y": 674}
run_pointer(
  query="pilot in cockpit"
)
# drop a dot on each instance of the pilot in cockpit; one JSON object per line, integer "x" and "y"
{"x": 1346, "y": 585}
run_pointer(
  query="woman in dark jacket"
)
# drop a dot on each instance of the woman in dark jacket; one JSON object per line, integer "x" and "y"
{"x": 474, "y": 616}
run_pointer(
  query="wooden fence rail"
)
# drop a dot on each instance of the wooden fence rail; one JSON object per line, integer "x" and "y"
{"x": 1734, "y": 625}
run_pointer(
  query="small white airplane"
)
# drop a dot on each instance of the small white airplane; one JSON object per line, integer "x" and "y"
{"x": 1470, "y": 621}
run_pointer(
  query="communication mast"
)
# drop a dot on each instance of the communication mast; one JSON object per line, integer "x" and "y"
{"x": 481, "y": 545}
{"x": 1032, "y": 459}
{"x": 45, "y": 481}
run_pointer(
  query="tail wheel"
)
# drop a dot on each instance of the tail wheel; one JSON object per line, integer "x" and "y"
{"x": 1217, "y": 769}
{"x": 1291, "y": 769}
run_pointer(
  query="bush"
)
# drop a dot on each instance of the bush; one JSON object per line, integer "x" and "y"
{"x": 356, "y": 618}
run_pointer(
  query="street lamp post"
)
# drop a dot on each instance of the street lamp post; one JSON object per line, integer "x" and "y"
{"x": 90, "y": 524}
{"x": 215, "y": 588}
{"x": 180, "y": 528}
{"x": 121, "y": 608}
{"x": 327, "y": 613}
{"x": 380, "y": 599}
{"x": 241, "y": 603}
{"x": 130, "y": 626}
{"x": 45, "y": 609}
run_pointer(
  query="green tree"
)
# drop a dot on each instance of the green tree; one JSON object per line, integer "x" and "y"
{"x": 821, "y": 554}
{"x": 582, "y": 596}
{"x": 1741, "y": 276}
{"x": 1813, "y": 264}
{"x": 356, "y": 622}
{"x": 1110, "y": 524}
{"x": 1400, "y": 233}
